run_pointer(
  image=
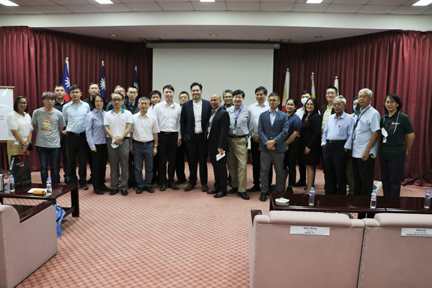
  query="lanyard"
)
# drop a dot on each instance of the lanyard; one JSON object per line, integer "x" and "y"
{"x": 388, "y": 123}
{"x": 361, "y": 114}
{"x": 236, "y": 116}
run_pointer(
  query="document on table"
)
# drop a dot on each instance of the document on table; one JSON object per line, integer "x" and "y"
{"x": 219, "y": 156}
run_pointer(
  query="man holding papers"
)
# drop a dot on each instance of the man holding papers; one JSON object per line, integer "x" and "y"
{"x": 216, "y": 135}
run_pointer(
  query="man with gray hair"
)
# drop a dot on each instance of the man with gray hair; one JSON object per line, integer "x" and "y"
{"x": 365, "y": 146}
{"x": 337, "y": 140}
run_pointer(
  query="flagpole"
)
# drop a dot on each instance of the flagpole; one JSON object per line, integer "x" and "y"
{"x": 313, "y": 86}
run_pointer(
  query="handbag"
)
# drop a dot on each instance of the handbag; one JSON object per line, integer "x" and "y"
{"x": 20, "y": 169}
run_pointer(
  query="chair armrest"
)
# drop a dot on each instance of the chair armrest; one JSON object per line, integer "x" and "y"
{"x": 255, "y": 212}
{"x": 34, "y": 210}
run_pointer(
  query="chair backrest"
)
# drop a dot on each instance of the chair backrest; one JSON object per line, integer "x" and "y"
{"x": 304, "y": 249}
{"x": 397, "y": 251}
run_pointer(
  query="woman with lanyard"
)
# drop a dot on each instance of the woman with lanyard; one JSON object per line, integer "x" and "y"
{"x": 20, "y": 126}
{"x": 292, "y": 143}
{"x": 310, "y": 137}
{"x": 397, "y": 137}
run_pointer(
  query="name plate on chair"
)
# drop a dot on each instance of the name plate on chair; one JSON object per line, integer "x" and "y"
{"x": 308, "y": 230}
{"x": 416, "y": 232}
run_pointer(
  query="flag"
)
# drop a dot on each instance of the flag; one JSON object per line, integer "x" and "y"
{"x": 313, "y": 86}
{"x": 65, "y": 80}
{"x": 336, "y": 84}
{"x": 136, "y": 79}
{"x": 285, "y": 96}
{"x": 102, "y": 85}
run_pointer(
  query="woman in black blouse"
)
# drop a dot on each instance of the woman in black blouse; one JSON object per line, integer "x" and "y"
{"x": 310, "y": 137}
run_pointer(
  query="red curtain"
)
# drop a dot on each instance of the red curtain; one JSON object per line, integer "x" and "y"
{"x": 397, "y": 62}
{"x": 32, "y": 60}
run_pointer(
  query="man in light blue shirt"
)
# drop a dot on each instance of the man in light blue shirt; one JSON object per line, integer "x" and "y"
{"x": 337, "y": 140}
{"x": 365, "y": 146}
{"x": 74, "y": 114}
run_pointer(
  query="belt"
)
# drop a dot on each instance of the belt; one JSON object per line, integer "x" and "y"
{"x": 237, "y": 136}
{"x": 336, "y": 141}
{"x": 76, "y": 134}
{"x": 167, "y": 133}
{"x": 143, "y": 143}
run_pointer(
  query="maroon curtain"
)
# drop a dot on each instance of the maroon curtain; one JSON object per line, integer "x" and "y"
{"x": 391, "y": 62}
{"x": 32, "y": 60}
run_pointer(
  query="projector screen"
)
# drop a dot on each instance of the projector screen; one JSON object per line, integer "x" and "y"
{"x": 215, "y": 69}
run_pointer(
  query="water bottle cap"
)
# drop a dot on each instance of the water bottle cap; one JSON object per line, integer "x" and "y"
{"x": 373, "y": 191}
{"x": 11, "y": 176}
{"x": 49, "y": 178}
{"x": 312, "y": 188}
{"x": 428, "y": 191}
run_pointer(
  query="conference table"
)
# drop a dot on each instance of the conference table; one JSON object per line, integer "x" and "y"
{"x": 57, "y": 191}
{"x": 350, "y": 204}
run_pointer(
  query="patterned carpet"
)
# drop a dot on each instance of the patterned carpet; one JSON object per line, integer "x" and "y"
{"x": 165, "y": 239}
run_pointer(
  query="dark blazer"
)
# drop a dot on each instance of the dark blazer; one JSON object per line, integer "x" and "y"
{"x": 187, "y": 119}
{"x": 277, "y": 132}
{"x": 218, "y": 137}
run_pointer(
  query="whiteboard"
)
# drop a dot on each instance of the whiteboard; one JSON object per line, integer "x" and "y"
{"x": 6, "y": 106}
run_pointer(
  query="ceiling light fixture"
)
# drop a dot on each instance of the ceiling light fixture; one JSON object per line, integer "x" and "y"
{"x": 113, "y": 35}
{"x": 318, "y": 37}
{"x": 314, "y": 1}
{"x": 8, "y": 3}
{"x": 104, "y": 1}
{"x": 207, "y": 0}
{"x": 213, "y": 35}
{"x": 422, "y": 3}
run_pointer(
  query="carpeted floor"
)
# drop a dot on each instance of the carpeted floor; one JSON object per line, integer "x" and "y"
{"x": 164, "y": 239}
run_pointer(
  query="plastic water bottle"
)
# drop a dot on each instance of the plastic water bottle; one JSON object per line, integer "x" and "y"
{"x": 48, "y": 190}
{"x": 427, "y": 199}
{"x": 11, "y": 184}
{"x": 373, "y": 200}
{"x": 312, "y": 196}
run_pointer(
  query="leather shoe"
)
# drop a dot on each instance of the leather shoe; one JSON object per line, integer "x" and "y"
{"x": 204, "y": 188}
{"x": 189, "y": 187}
{"x": 172, "y": 186}
{"x": 289, "y": 190}
{"x": 214, "y": 191}
{"x": 149, "y": 189}
{"x": 83, "y": 187}
{"x": 243, "y": 195}
{"x": 99, "y": 192}
{"x": 114, "y": 191}
{"x": 163, "y": 187}
{"x": 124, "y": 192}
{"x": 233, "y": 190}
{"x": 254, "y": 188}
{"x": 179, "y": 182}
{"x": 263, "y": 197}
{"x": 105, "y": 188}
{"x": 139, "y": 190}
{"x": 300, "y": 184}
{"x": 220, "y": 195}
{"x": 90, "y": 181}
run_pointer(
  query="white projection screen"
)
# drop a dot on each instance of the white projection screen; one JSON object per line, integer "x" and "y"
{"x": 215, "y": 69}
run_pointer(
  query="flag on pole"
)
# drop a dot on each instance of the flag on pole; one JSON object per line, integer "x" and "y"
{"x": 65, "y": 80}
{"x": 286, "y": 89}
{"x": 102, "y": 85}
{"x": 313, "y": 86}
{"x": 136, "y": 79}
{"x": 336, "y": 84}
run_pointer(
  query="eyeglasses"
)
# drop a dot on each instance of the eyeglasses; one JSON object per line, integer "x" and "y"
{"x": 75, "y": 92}
{"x": 273, "y": 100}
{"x": 116, "y": 100}
{"x": 23, "y": 103}
{"x": 133, "y": 92}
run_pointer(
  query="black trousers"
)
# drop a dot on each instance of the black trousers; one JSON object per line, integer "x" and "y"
{"x": 99, "y": 159}
{"x": 63, "y": 150}
{"x": 391, "y": 174}
{"x": 220, "y": 172}
{"x": 364, "y": 172}
{"x": 180, "y": 162}
{"x": 334, "y": 157}
{"x": 197, "y": 152}
{"x": 256, "y": 164}
{"x": 167, "y": 150}
{"x": 131, "y": 180}
{"x": 77, "y": 146}
{"x": 290, "y": 162}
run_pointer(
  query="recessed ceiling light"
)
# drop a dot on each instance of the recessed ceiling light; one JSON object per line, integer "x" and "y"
{"x": 207, "y": 0}
{"x": 104, "y": 1}
{"x": 422, "y": 3}
{"x": 314, "y": 1}
{"x": 113, "y": 35}
{"x": 318, "y": 37}
{"x": 213, "y": 35}
{"x": 8, "y": 3}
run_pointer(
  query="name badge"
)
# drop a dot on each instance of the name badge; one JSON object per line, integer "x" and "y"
{"x": 307, "y": 230}
{"x": 417, "y": 232}
{"x": 16, "y": 142}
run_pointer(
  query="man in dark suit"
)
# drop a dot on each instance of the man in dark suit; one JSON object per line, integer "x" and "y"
{"x": 195, "y": 116}
{"x": 273, "y": 131}
{"x": 217, "y": 144}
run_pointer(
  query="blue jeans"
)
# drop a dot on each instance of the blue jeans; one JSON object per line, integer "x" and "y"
{"x": 49, "y": 156}
{"x": 143, "y": 152}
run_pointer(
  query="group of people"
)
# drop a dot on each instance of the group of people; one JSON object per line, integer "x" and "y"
{"x": 156, "y": 136}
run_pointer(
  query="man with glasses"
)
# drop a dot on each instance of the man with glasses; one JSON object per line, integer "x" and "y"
{"x": 228, "y": 99}
{"x": 74, "y": 114}
{"x": 336, "y": 141}
{"x": 118, "y": 123}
